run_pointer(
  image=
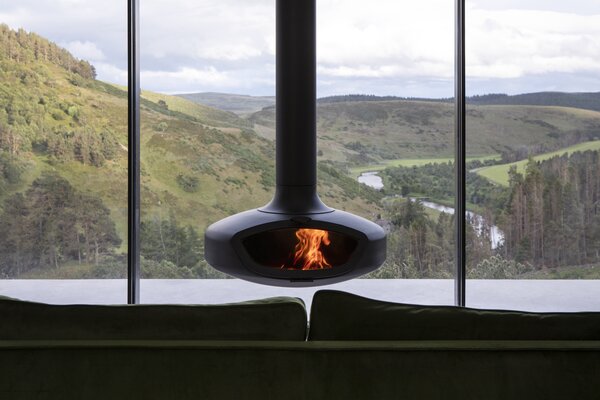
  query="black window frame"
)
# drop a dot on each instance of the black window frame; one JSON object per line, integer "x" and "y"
{"x": 133, "y": 193}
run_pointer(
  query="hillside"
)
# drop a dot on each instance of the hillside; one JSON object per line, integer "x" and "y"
{"x": 237, "y": 103}
{"x": 63, "y": 174}
{"x": 59, "y": 127}
{"x": 375, "y": 132}
{"x": 499, "y": 173}
{"x": 587, "y": 101}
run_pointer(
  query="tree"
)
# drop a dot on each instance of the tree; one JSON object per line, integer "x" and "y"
{"x": 52, "y": 224}
{"x": 166, "y": 240}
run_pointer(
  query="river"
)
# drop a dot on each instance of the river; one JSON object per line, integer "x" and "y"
{"x": 496, "y": 235}
{"x": 371, "y": 179}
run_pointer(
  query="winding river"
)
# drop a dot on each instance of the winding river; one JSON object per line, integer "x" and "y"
{"x": 496, "y": 235}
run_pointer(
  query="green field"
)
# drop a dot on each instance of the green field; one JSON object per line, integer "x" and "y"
{"x": 371, "y": 133}
{"x": 415, "y": 162}
{"x": 499, "y": 173}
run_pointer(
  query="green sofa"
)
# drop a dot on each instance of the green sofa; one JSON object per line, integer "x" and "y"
{"x": 356, "y": 348}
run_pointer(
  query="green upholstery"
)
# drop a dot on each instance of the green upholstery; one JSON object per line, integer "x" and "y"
{"x": 344, "y": 316}
{"x": 278, "y": 318}
{"x": 175, "y": 370}
{"x": 280, "y": 364}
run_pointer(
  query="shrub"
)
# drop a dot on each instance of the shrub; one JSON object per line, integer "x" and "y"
{"x": 497, "y": 267}
{"x": 188, "y": 183}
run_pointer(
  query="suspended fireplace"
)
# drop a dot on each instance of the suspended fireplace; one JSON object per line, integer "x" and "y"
{"x": 295, "y": 240}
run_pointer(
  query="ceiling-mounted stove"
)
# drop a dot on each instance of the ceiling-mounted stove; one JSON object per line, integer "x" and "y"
{"x": 295, "y": 240}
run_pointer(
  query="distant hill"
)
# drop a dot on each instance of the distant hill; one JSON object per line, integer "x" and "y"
{"x": 367, "y": 132}
{"x": 586, "y": 101}
{"x": 346, "y": 98}
{"x": 237, "y": 103}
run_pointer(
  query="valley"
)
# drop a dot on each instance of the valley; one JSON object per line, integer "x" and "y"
{"x": 63, "y": 146}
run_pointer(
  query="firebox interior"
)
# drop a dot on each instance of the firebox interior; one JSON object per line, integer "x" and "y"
{"x": 300, "y": 249}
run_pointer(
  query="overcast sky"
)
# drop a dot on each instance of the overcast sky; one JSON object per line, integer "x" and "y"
{"x": 384, "y": 47}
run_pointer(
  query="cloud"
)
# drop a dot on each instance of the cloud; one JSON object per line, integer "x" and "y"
{"x": 189, "y": 76}
{"x": 427, "y": 69}
{"x": 84, "y": 50}
{"x": 189, "y": 80}
{"x": 227, "y": 30}
{"x": 111, "y": 73}
{"x": 76, "y": 22}
{"x": 377, "y": 46}
{"x": 517, "y": 43}
{"x": 394, "y": 38}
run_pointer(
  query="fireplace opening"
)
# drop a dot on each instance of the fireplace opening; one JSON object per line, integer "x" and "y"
{"x": 300, "y": 249}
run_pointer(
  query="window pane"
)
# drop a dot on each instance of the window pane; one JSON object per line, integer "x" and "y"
{"x": 533, "y": 119}
{"x": 384, "y": 118}
{"x": 201, "y": 158}
{"x": 63, "y": 154}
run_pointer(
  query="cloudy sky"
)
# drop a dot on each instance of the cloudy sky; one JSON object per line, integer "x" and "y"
{"x": 384, "y": 47}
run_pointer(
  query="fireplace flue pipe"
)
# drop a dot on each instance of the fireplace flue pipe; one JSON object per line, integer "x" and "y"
{"x": 296, "y": 113}
{"x": 258, "y": 244}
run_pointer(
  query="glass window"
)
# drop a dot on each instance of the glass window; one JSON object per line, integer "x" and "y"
{"x": 385, "y": 134}
{"x": 533, "y": 144}
{"x": 386, "y": 120}
{"x": 63, "y": 151}
{"x": 385, "y": 147}
{"x": 207, "y": 69}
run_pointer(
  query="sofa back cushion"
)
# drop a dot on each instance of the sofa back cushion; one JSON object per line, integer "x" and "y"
{"x": 278, "y": 318}
{"x": 344, "y": 316}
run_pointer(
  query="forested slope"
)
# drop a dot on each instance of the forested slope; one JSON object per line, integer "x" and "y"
{"x": 63, "y": 157}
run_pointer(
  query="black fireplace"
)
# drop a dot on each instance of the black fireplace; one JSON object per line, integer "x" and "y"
{"x": 295, "y": 240}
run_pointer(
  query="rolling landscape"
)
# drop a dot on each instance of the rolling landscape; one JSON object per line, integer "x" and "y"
{"x": 533, "y": 161}
{"x": 199, "y": 164}
{"x": 237, "y": 103}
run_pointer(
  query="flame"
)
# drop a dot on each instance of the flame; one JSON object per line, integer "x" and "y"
{"x": 308, "y": 252}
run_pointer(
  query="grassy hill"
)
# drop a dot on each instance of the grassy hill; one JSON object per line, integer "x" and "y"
{"x": 499, "y": 173}
{"x": 198, "y": 163}
{"x": 237, "y": 103}
{"x": 360, "y": 133}
{"x": 415, "y": 162}
{"x": 587, "y": 101}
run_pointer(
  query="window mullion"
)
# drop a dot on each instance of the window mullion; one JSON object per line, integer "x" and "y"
{"x": 460, "y": 155}
{"x": 133, "y": 211}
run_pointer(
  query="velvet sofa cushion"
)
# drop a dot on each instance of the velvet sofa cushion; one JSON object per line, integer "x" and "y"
{"x": 343, "y": 316}
{"x": 232, "y": 370}
{"x": 278, "y": 318}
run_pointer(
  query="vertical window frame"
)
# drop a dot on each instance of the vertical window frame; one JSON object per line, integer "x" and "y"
{"x": 460, "y": 173}
{"x": 133, "y": 153}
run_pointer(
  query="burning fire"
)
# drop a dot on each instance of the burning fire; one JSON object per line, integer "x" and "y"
{"x": 308, "y": 252}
